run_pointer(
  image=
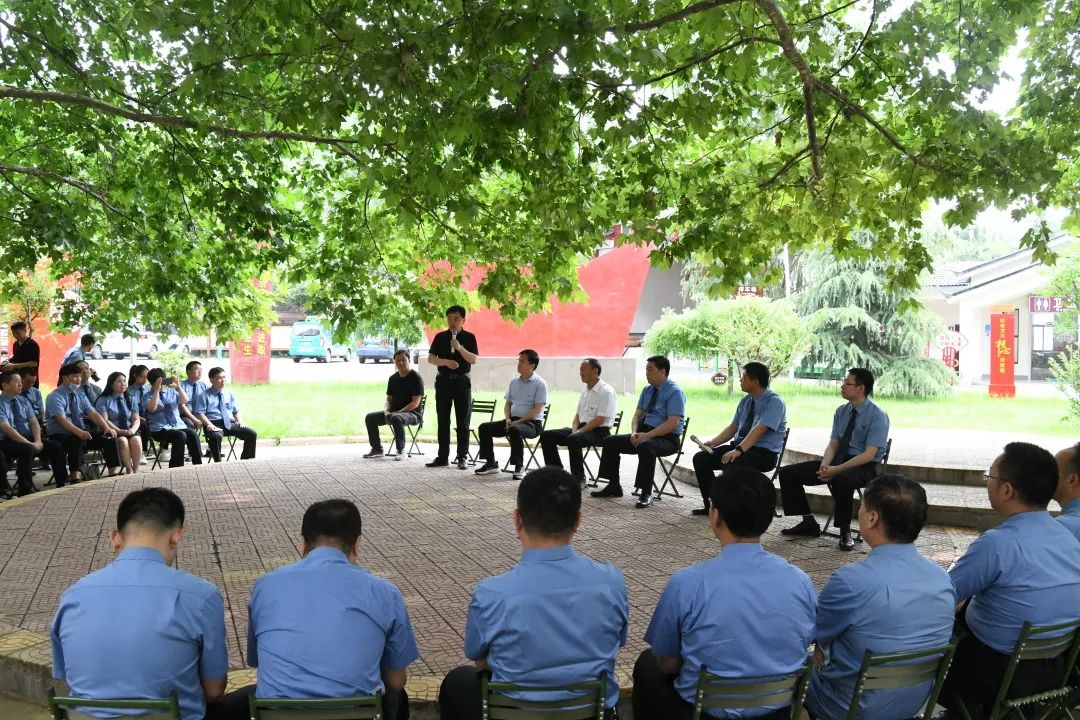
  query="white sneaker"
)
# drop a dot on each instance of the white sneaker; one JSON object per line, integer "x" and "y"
{"x": 519, "y": 474}
{"x": 399, "y": 457}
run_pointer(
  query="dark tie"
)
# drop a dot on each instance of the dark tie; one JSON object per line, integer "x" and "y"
{"x": 845, "y": 439}
{"x": 73, "y": 411}
{"x": 225, "y": 419}
{"x": 652, "y": 400}
{"x": 15, "y": 422}
{"x": 747, "y": 423}
{"x": 122, "y": 411}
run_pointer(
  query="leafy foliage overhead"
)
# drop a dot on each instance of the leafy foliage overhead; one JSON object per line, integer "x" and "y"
{"x": 168, "y": 153}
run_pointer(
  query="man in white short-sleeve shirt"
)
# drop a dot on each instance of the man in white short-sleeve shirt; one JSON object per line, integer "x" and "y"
{"x": 592, "y": 422}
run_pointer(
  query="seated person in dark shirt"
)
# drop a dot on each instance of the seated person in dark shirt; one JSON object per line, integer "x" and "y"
{"x": 404, "y": 392}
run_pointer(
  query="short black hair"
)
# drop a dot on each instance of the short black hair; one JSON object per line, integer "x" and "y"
{"x": 863, "y": 377}
{"x": 661, "y": 363}
{"x": 532, "y": 356}
{"x": 1032, "y": 470}
{"x": 191, "y": 364}
{"x": 214, "y": 372}
{"x": 401, "y": 351}
{"x": 154, "y": 374}
{"x": 18, "y": 325}
{"x": 109, "y": 383}
{"x": 70, "y": 369}
{"x": 757, "y": 371}
{"x": 87, "y": 339}
{"x": 594, "y": 364}
{"x": 334, "y": 520}
{"x": 456, "y": 309}
{"x": 745, "y": 499}
{"x": 901, "y": 503}
{"x": 155, "y": 508}
{"x": 134, "y": 372}
{"x": 5, "y": 377}
{"x": 28, "y": 371}
{"x": 549, "y": 501}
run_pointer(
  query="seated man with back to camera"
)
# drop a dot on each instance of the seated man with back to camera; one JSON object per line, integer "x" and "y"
{"x": 162, "y": 410}
{"x": 747, "y": 613}
{"x": 404, "y": 394}
{"x": 324, "y": 626}
{"x": 22, "y": 437}
{"x": 657, "y": 430}
{"x": 592, "y": 422}
{"x": 894, "y": 601}
{"x": 754, "y": 437}
{"x": 555, "y": 618}
{"x": 66, "y": 413}
{"x": 1068, "y": 489}
{"x": 1025, "y": 569}
{"x": 523, "y": 413}
{"x": 860, "y": 432}
{"x": 219, "y": 414}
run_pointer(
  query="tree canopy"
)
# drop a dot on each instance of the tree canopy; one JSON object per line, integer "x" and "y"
{"x": 168, "y": 153}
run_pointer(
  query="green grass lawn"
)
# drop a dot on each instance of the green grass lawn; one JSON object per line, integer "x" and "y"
{"x": 338, "y": 408}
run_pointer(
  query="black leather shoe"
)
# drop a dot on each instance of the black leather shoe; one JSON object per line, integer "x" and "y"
{"x": 644, "y": 502}
{"x": 582, "y": 481}
{"x": 437, "y": 462}
{"x": 700, "y": 511}
{"x": 846, "y": 543}
{"x": 488, "y": 468}
{"x": 805, "y": 528}
{"x": 612, "y": 490}
{"x": 374, "y": 453}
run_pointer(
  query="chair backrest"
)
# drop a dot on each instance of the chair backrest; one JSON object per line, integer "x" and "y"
{"x": 715, "y": 692}
{"x": 482, "y": 407}
{"x": 889, "y": 671}
{"x": 617, "y": 424}
{"x": 1037, "y": 642}
{"x": 780, "y": 455}
{"x": 884, "y": 466}
{"x": 363, "y": 707}
{"x": 547, "y": 414}
{"x": 423, "y": 404}
{"x": 685, "y": 434}
{"x": 166, "y": 709}
{"x": 585, "y": 701}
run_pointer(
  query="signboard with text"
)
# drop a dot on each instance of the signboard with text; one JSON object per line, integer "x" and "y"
{"x": 1002, "y": 354}
{"x": 249, "y": 359}
{"x": 1039, "y": 303}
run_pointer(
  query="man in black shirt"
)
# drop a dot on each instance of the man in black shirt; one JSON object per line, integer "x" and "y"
{"x": 404, "y": 393}
{"x": 25, "y": 352}
{"x": 453, "y": 351}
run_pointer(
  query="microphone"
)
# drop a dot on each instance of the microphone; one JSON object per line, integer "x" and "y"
{"x": 702, "y": 445}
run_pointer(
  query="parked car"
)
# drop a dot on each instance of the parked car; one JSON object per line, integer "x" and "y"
{"x": 147, "y": 343}
{"x": 310, "y": 340}
{"x": 382, "y": 349}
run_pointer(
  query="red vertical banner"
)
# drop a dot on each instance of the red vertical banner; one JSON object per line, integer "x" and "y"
{"x": 249, "y": 359}
{"x": 1002, "y": 354}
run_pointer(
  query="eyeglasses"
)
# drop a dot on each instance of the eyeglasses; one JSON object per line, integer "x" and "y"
{"x": 987, "y": 476}
{"x": 851, "y": 384}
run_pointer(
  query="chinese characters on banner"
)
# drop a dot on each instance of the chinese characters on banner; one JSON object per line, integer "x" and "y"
{"x": 1002, "y": 354}
{"x": 249, "y": 359}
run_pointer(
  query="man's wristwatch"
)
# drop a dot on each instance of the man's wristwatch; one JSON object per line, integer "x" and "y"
{"x": 741, "y": 451}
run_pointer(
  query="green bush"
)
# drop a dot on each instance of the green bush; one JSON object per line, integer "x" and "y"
{"x": 1065, "y": 371}
{"x": 173, "y": 362}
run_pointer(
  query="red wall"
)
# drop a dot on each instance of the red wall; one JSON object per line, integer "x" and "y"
{"x": 598, "y": 328}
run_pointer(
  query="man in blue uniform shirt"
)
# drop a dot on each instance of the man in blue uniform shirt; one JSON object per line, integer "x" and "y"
{"x": 894, "y": 601}
{"x": 66, "y": 411}
{"x": 744, "y": 614}
{"x": 21, "y": 438}
{"x": 555, "y": 618}
{"x": 1068, "y": 488}
{"x": 656, "y": 431}
{"x": 755, "y": 436}
{"x": 324, "y": 627}
{"x": 219, "y": 415}
{"x": 860, "y": 432}
{"x": 138, "y": 628}
{"x": 1027, "y": 569}
{"x": 80, "y": 351}
{"x": 193, "y": 386}
{"x": 523, "y": 413}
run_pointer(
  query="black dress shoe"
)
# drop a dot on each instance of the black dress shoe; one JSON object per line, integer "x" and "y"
{"x": 612, "y": 490}
{"x": 644, "y": 502}
{"x": 438, "y": 462}
{"x": 700, "y": 511}
{"x": 805, "y": 528}
{"x": 374, "y": 453}
{"x": 846, "y": 543}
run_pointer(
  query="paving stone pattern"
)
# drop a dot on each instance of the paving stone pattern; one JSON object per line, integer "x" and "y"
{"x": 434, "y": 533}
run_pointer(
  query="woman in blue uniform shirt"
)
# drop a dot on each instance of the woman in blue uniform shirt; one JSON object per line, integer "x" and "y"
{"x": 115, "y": 406}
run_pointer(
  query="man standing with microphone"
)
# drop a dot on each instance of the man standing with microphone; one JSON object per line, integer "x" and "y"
{"x": 453, "y": 351}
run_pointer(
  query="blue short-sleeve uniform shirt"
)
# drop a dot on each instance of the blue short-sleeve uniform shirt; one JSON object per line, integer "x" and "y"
{"x": 140, "y": 629}
{"x": 745, "y": 613}
{"x": 769, "y": 410}
{"x": 167, "y": 415}
{"x": 217, "y": 404}
{"x": 670, "y": 400}
{"x": 16, "y": 411}
{"x": 68, "y": 401}
{"x": 117, "y": 409}
{"x": 871, "y": 428}
{"x": 524, "y": 395}
{"x": 33, "y": 395}
{"x": 893, "y": 601}
{"x": 555, "y": 618}
{"x": 323, "y": 627}
{"x": 1070, "y": 516}
{"x": 193, "y": 390}
{"x": 1025, "y": 569}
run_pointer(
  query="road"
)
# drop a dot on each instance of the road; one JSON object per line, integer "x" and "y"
{"x": 281, "y": 369}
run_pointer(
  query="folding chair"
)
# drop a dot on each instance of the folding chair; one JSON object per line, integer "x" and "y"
{"x": 897, "y": 670}
{"x": 585, "y": 701}
{"x": 1033, "y": 645}
{"x": 720, "y": 693}
{"x": 231, "y": 455}
{"x": 363, "y": 707}
{"x": 478, "y": 408}
{"x": 595, "y": 450}
{"x": 152, "y": 447}
{"x": 533, "y": 446}
{"x": 413, "y": 430}
{"x": 669, "y": 467}
{"x": 856, "y": 535}
{"x": 67, "y": 708}
{"x": 780, "y": 461}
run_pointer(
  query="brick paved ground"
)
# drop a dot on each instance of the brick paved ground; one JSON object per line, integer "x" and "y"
{"x": 433, "y": 532}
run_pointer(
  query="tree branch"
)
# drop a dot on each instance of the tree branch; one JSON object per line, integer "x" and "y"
{"x": 696, "y": 61}
{"x": 698, "y": 7}
{"x": 87, "y": 188}
{"x": 6, "y": 91}
{"x": 791, "y": 161}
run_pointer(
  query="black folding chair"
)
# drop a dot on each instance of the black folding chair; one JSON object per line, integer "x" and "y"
{"x": 413, "y": 430}
{"x": 857, "y": 536}
{"x": 780, "y": 461}
{"x": 533, "y": 446}
{"x": 595, "y": 450}
{"x": 669, "y": 467}
{"x": 478, "y": 408}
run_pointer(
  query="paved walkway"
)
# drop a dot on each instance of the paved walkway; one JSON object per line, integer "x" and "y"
{"x": 433, "y": 532}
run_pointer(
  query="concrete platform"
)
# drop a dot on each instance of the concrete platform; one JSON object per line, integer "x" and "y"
{"x": 433, "y": 532}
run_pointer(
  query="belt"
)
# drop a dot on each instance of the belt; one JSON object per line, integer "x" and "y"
{"x": 454, "y": 375}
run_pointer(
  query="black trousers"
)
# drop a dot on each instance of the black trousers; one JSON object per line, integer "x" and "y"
{"x": 515, "y": 435}
{"x": 655, "y": 697}
{"x": 453, "y": 391}
{"x": 248, "y": 435}
{"x": 706, "y": 463}
{"x": 74, "y": 448}
{"x": 108, "y": 449}
{"x": 615, "y": 446}
{"x": 178, "y": 439}
{"x": 574, "y": 440}
{"x": 234, "y": 706}
{"x": 459, "y": 696}
{"x": 794, "y": 477}
{"x": 397, "y": 422}
{"x": 23, "y": 455}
